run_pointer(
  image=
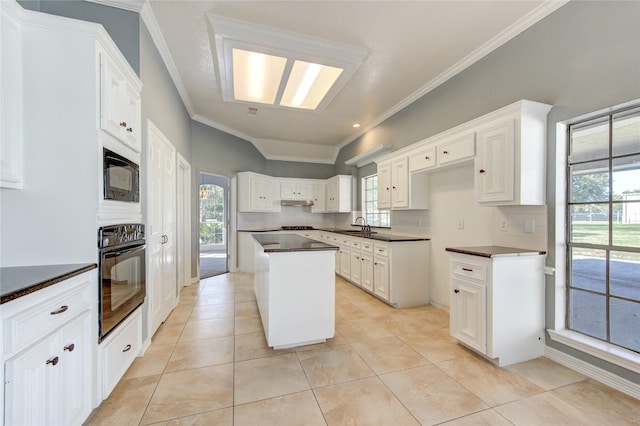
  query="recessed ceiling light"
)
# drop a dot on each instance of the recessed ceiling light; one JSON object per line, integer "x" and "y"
{"x": 356, "y": 125}
{"x": 265, "y": 65}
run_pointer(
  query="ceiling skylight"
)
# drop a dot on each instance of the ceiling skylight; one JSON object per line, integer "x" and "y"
{"x": 264, "y": 65}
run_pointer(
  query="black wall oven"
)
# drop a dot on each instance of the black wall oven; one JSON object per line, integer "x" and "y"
{"x": 121, "y": 180}
{"x": 122, "y": 273}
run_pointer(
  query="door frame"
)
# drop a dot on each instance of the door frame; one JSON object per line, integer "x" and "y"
{"x": 183, "y": 223}
{"x": 227, "y": 218}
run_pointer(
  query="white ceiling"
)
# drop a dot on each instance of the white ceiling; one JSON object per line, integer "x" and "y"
{"x": 414, "y": 46}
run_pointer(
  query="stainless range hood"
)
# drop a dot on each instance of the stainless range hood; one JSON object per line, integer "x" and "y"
{"x": 296, "y": 203}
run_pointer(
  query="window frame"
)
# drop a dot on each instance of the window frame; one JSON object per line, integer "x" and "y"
{"x": 382, "y": 217}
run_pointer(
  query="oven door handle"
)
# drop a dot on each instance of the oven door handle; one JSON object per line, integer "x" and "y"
{"x": 128, "y": 251}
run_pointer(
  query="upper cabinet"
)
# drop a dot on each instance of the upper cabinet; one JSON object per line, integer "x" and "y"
{"x": 506, "y": 146}
{"x": 319, "y": 196}
{"x": 510, "y": 167}
{"x": 338, "y": 196}
{"x": 398, "y": 189}
{"x": 120, "y": 102}
{"x": 11, "y": 99}
{"x": 296, "y": 190}
{"x": 258, "y": 193}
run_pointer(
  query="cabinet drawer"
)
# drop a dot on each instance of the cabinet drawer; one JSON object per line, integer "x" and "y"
{"x": 366, "y": 246}
{"x": 119, "y": 351}
{"x": 423, "y": 159}
{"x": 356, "y": 244}
{"x": 380, "y": 250}
{"x": 345, "y": 242}
{"x": 457, "y": 149}
{"x": 469, "y": 270}
{"x": 34, "y": 322}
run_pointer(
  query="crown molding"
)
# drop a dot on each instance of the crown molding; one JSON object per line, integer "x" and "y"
{"x": 542, "y": 11}
{"x": 130, "y": 5}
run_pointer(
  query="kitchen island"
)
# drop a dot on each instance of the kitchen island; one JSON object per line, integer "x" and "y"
{"x": 294, "y": 283}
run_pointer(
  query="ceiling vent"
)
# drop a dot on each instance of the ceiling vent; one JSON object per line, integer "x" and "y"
{"x": 268, "y": 66}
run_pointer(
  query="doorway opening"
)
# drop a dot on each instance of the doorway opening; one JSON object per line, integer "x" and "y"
{"x": 213, "y": 193}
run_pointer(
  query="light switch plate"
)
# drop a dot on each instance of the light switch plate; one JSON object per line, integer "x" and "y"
{"x": 529, "y": 226}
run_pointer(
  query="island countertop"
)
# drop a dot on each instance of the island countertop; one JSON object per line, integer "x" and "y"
{"x": 494, "y": 251}
{"x": 280, "y": 243}
{"x": 18, "y": 281}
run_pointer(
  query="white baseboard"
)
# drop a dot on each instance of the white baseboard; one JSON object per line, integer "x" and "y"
{"x": 195, "y": 279}
{"x": 145, "y": 345}
{"x": 439, "y": 305}
{"x": 612, "y": 380}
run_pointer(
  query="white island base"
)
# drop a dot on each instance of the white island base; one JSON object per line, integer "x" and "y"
{"x": 295, "y": 291}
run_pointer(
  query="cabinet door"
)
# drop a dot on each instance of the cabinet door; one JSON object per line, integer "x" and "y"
{"x": 457, "y": 149}
{"x": 356, "y": 266}
{"x": 468, "y": 314}
{"x": 32, "y": 391}
{"x": 424, "y": 159}
{"x": 258, "y": 195}
{"x": 381, "y": 277}
{"x": 400, "y": 183}
{"x": 111, "y": 93}
{"x": 76, "y": 367}
{"x": 366, "y": 273}
{"x": 384, "y": 186}
{"x": 332, "y": 195}
{"x": 304, "y": 191}
{"x": 130, "y": 106}
{"x": 319, "y": 197}
{"x": 495, "y": 163}
{"x": 345, "y": 262}
{"x": 288, "y": 191}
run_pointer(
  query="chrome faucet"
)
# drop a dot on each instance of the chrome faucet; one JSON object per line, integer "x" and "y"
{"x": 365, "y": 229}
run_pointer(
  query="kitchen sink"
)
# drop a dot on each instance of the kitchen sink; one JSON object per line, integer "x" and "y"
{"x": 356, "y": 231}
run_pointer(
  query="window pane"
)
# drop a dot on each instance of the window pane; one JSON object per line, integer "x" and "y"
{"x": 589, "y": 269}
{"x": 626, "y": 176}
{"x": 590, "y": 141}
{"x": 626, "y": 234}
{"x": 590, "y": 223}
{"x": 625, "y": 323}
{"x": 626, "y": 133}
{"x": 624, "y": 275}
{"x": 588, "y": 314}
{"x": 590, "y": 182}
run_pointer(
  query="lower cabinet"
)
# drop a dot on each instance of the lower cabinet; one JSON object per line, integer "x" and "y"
{"x": 118, "y": 351}
{"x": 51, "y": 379}
{"x": 497, "y": 305}
{"x": 395, "y": 272}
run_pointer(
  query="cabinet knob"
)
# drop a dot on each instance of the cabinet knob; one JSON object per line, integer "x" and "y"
{"x": 70, "y": 347}
{"x": 375, "y": 263}
{"x": 387, "y": 188}
{"x": 445, "y": 152}
{"x": 53, "y": 361}
{"x": 123, "y": 124}
{"x": 456, "y": 291}
{"x": 127, "y": 348}
{"x": 60, "y": 310}
{"x": 426, "y": 157}
{"x": 394, "y": 187}
{"x": 481, "y": 170}
{"x": 129, "y": 129}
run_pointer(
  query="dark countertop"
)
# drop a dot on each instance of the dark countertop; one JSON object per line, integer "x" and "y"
{"x": 494, "y": 251}
{"x": 279, "y": 243}
{"x": 18, "y": 281}
{"x": 390, "y": 238}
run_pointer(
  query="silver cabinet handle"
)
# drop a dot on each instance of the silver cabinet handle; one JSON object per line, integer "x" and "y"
{"x": 60, "y": 310}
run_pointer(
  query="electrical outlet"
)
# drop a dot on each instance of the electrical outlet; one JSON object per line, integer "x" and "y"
{"x": 503, "y": 226}
{"x": 460, "y": 223}
{"x": 529, "y": 226}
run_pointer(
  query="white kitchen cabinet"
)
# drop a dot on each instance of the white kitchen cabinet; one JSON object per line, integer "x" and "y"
{"x": 120, "y": 102}
{"x": 400, "y": 190}
{"x": 258, "y": 193}
{"x": 366, "y": 272}
{"x": 50, "y": 365}
{"x": 456, "y": 149}
{"x": 11, "y": 100}
{"x": 381, "y": 277}
{"x": 118, "y": 351}
{"x": 345, "y": 261}
{"x": 422, "y": 159}
{"x": 497, "y": 305}
{"x": 295, "y": 190}
{"x": 319, "y": 197}
{"x": 511, "y": 165}
{"x": 339, "y": 194}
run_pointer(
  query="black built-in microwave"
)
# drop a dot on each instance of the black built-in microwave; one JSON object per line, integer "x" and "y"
{"x": 121, "y": 178}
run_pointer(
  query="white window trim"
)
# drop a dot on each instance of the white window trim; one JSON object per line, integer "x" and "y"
{"x": 558, "y": 333}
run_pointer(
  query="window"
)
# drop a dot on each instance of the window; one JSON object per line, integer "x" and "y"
{"x": 211, "y": 214}
{"x": 603, "y": 228}
{"x": 370, "y": 212}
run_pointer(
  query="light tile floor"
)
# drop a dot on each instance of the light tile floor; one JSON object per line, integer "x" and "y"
{"x": 209, "y": 364}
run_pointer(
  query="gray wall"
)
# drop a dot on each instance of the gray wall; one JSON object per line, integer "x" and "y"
{"x": 122, "y": 25}
{"x": 300, "y": 170}
{"x": 582, "y": 58}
